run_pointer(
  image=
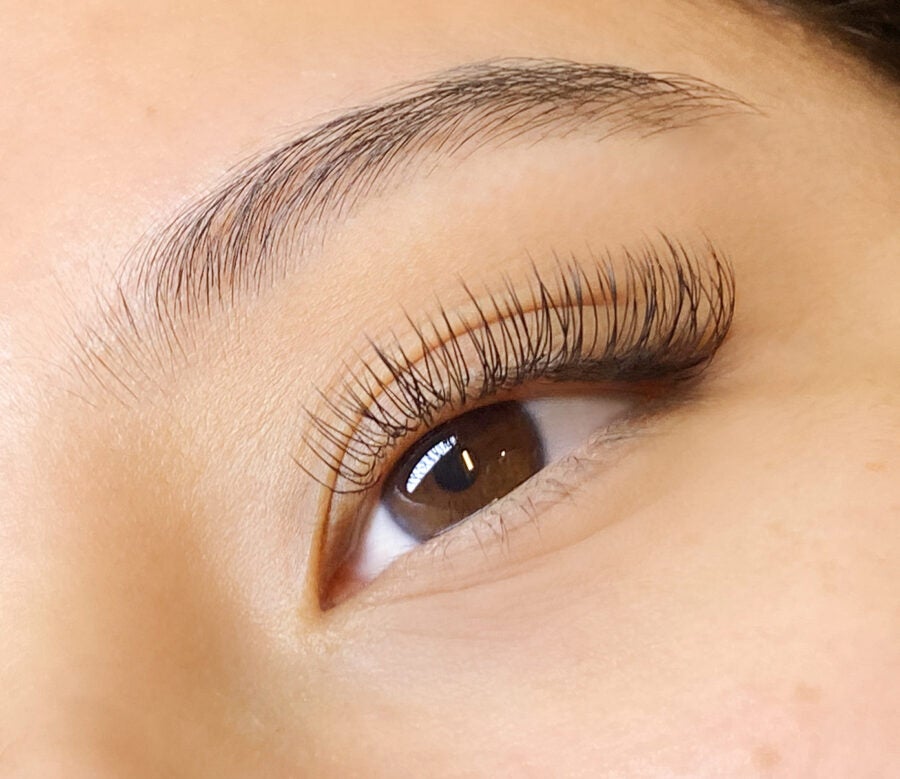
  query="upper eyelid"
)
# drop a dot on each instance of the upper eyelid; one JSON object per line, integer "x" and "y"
{"x": 685, "y": 284}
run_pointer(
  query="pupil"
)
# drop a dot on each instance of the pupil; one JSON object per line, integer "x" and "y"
{"x": 461, "y": 467}
{"x": 456, "y": 471}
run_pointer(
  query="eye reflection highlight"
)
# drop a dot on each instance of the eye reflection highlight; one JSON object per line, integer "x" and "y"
{"x": 424, "y": 466}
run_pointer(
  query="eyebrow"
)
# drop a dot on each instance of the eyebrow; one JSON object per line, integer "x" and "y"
{"x": 253, "y": 228}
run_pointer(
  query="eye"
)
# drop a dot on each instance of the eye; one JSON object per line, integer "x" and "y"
{"x": 644, "y": 322}
{"x": 465, "y": 465}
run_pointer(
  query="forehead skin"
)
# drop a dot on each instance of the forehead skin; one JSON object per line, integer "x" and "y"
{"x": 152, "y": 620}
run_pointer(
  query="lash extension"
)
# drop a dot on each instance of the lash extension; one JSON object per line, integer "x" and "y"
{"x": 659, "y": 312}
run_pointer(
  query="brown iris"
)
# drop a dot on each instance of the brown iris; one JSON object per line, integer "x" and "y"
{"x": 462, "y": 466}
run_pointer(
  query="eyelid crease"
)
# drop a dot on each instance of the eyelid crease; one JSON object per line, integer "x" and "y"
{"x": 660, "y": 311}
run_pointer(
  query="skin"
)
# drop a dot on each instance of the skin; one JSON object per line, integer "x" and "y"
{"x": 716, "y": 597}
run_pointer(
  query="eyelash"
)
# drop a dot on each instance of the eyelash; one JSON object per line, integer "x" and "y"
{"x": 659, "y": 312}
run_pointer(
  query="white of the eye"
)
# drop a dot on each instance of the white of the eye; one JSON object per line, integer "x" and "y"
{"x": 383, "y": 542}
{"x": 563, "y": 424}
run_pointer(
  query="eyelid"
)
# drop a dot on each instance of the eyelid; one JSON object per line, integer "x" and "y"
{"x": 659, "y": 311}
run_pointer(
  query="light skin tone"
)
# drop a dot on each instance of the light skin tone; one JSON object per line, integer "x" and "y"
{"x": 715, "y": 595}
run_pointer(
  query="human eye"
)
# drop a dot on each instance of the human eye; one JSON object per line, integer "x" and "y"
{"x": 457, "y": 420}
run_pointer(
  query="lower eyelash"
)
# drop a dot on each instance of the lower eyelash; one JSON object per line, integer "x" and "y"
{"x": 492, "y": 528}
{"x": 659, "y": 312}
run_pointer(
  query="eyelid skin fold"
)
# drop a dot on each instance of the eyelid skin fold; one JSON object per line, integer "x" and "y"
{"x": 634, "y": 315}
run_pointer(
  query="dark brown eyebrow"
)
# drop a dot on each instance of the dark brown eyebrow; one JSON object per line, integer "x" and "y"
{"x": 243, "y": 234}
{"x": 253, "y": 228}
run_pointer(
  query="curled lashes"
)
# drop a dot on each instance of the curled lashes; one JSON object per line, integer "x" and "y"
{"x": 659, "y": 312}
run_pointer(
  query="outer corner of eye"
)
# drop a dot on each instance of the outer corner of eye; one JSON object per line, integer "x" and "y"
{"x": 455, "y": 471}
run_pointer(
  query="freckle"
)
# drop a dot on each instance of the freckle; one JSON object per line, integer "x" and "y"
{"x": 876, "y": 466}
{"x": 807, "y": 693}
{"x": 766, "y": 757}
{"x": 150, "y": 111}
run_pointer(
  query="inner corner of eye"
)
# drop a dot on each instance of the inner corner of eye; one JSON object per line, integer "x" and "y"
{"x": 464, "y": 465}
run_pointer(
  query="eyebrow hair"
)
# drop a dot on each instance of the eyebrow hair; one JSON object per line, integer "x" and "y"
{"x": 238, "y": 237}
{"x": 251, "y": 230}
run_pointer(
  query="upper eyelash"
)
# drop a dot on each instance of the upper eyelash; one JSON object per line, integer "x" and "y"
{"x": 658, "y": 311}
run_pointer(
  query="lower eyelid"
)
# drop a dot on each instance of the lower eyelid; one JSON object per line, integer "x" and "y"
{"x": 562, "y": 421}
{"x": 500, "y": 531}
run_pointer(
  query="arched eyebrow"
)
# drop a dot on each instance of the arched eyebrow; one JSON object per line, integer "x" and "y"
{"x": 256, "y": 226}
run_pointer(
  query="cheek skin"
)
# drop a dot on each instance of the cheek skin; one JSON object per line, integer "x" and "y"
{"x": 736, "y": 625}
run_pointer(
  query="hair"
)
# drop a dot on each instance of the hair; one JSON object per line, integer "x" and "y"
{"x": 868, "y": 28}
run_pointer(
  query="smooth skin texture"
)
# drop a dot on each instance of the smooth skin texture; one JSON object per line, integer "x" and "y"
{"x": 718, "y": 597}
